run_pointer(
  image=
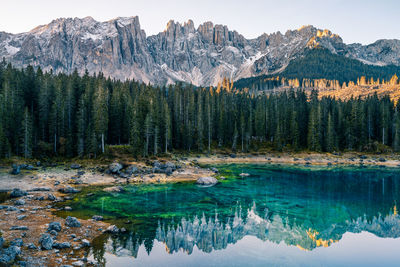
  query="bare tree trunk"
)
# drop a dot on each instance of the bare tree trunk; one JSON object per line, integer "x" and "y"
{"x": 55, "y": 142}
{"x": 102, "y": 143}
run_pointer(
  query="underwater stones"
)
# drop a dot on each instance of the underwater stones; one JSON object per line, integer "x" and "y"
{"x": 46, "y": 242}
{"x": 72, "y": 222}
{"x": 115, "y": 189}
{"x": 16, "y": 192}
{"x": 54, "y": 226}
{"x": 207, "y": 180}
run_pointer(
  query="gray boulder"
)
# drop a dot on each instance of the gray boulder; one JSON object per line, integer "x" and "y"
{"x": 31, "y": 246}
{"x": 46, "y": 242}
{"x": 68, "y": 190}
{"x": 75, "y": 166}
{"x": 51, "y": 197}
{"x": 115, "y": 167}
{"x": 62, "y": 245}
{"x": 21, "y": 217}
{"x": 112, "y": 229}
{"x": 168, "y": 171}
{"x": 56, "y": 226}
{"x": 19, "y": 202}
{"x": 16, "y": 192}
{"x": 8, "y": 255}
{"x": 132, "y": 169}
{"x": 72, "y": 222}
{"x": 208, "y": 180}
{"x": 17, "y": 242}
{"x": 85, "y": 243}
{"x": 97, "y": 218}
{"x": 16, "y": 169}
{"x": 19, "y": 228}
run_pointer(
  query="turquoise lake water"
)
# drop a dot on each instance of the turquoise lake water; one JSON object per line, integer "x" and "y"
{"x": 278, "y": 216}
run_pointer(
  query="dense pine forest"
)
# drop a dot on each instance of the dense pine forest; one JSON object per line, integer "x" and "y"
{"x": 321, "y": 63}
{"x": 43, "y": 114}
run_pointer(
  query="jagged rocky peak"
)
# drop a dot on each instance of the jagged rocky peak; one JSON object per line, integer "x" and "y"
{"x": 120, "y": 49}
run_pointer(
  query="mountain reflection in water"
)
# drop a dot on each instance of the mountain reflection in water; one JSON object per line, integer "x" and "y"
{"x": 300, "y": 209}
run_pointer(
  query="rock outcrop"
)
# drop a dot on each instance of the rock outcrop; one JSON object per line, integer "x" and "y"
{"x": 120, "y": 49}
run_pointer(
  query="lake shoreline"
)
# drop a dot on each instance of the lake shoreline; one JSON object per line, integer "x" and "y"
{"x": 308, "y": 159}
{"x": 61, "y": 181}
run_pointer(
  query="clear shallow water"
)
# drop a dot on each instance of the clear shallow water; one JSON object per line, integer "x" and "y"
{"x": 279, "y": 215}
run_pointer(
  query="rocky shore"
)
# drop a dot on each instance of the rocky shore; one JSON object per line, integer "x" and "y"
{"x": 307, "y": 159}
{"x": 31, "y": 233}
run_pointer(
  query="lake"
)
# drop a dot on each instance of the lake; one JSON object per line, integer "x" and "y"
{"x": 277, "y": 216}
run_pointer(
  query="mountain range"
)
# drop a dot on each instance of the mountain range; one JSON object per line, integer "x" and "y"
{"x": 120, "y": 49}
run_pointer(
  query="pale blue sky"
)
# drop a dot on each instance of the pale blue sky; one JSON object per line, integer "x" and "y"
{"x": 361, "y": 21}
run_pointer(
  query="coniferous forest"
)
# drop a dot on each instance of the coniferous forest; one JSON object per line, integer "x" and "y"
{"x": 44, "y": 114}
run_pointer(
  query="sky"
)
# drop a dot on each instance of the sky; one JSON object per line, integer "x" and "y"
{"x": 361, "y": 21}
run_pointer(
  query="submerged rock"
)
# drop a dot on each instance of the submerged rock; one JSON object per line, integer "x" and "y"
{"x": 208, "y": 180}
{"x": 117, "y": 189}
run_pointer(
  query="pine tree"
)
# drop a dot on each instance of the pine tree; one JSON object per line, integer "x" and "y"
{"x": 313, "y": 129}
{"x": 26, "y": 138}
{"x": 100, "y": 110}
{"x": 330, "y": 135}
{"x": 136, "y": 143}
